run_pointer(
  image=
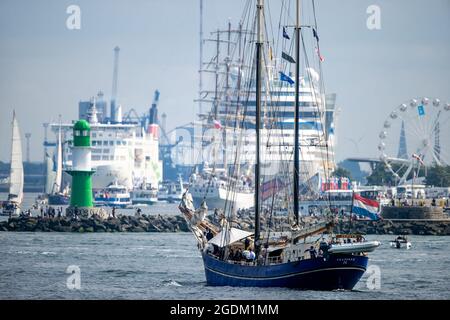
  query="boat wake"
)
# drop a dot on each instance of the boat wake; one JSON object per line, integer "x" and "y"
{"x": 171, "y": 283}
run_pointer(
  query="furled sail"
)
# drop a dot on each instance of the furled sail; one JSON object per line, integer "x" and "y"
{"x": 16, "y": 172}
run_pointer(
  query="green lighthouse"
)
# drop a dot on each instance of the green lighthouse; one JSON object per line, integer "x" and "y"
{"x": 81, "y": 171}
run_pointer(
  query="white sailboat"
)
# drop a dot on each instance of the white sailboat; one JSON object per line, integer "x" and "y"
{"x": 16, "y": 177}
{"x": 57, "y": 196}
{"x": 50, "y": 174}
{"x": 58, "y": 178}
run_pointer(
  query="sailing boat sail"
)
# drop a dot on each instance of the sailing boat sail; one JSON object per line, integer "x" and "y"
{"x": 50, "y": 174}
{"x": 56, "y": 197}
{"x": 233, "y": 257}
{"x": 58, "y": 178}
{"x": 16, "y": 177}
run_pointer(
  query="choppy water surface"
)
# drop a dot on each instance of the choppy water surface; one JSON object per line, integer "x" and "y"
{"x": 168, "y": 266}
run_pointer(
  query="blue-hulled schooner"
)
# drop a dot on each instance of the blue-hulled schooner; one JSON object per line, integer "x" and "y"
{"x": 304, "y": 256}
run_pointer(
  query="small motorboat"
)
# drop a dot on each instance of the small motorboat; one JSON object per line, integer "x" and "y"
{"x": 351, "y": 244}
{"x": 355, "y": 247}
{"x": 401, "y": 242}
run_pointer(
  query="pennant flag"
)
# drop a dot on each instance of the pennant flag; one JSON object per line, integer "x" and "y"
{"x": 421, "y": 110}
{"x": 417, "y": 157}
{"x": 287, "y": 57}
{"x": 286, "y": 78}
{"x": 217, "y": 124}
{"x": 285, "y": 35}
{"x": 315, "y": 34}
{"x": 365, "y": 207}
{"x": 320, "y": 56}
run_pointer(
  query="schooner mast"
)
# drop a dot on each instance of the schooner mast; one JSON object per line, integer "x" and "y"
{"x": 296, "y": 114}
{"x": 259, "y": 44}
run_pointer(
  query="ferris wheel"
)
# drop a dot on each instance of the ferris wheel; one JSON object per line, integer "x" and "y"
{"x": 415, "y": 135}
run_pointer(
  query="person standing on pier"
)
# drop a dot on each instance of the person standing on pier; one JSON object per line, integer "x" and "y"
{"x": 433, "y": 202}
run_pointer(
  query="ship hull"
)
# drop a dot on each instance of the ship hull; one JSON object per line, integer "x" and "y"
{"x": 339, "y": 271}
{"x": 217, "y": 198}
{"x": 57, "y": 200}
{"x": 144, "y": 201}
{"x": 147, "y": 197}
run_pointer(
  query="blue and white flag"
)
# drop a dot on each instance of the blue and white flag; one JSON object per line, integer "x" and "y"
{"x": 286, "y": 78}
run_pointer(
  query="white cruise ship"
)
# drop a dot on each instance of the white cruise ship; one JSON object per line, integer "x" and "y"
{"x": 122, "y": 153}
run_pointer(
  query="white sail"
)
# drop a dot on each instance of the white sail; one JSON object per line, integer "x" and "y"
{"x": 16, "y": 173}
{"x": 58, "y": 178}
{"x": 50, "y": 177}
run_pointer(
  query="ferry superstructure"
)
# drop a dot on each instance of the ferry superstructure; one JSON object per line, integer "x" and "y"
{"x": 125, "y": 153}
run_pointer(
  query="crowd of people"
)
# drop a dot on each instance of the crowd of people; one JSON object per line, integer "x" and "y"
{"x": 51, "y": 212}
{"x": 420, "y": 202}
{"x": 45, "y": 212}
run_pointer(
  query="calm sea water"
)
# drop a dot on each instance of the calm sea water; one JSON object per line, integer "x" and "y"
{"x": 168, "y": 266}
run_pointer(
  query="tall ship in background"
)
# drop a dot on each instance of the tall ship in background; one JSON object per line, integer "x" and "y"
{"x": 232, "y": 100}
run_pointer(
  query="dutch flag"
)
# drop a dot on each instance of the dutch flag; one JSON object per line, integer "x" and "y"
{"x": 366, "y": 207}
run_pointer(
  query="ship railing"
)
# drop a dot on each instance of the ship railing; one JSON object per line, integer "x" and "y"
{"x": 275, "y": 260}
{"x": 242, "y": 262}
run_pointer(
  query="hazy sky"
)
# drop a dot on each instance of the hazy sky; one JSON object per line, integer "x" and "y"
{"x": 45, "y": 68}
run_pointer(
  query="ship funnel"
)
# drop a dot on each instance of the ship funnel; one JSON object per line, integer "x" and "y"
{"x": 153, "y": 113}
{"x": 153, "y": 127}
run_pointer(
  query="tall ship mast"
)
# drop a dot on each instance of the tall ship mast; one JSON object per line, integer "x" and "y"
{"x": 261, "y": 257}
{"x": 232, "y": 96}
